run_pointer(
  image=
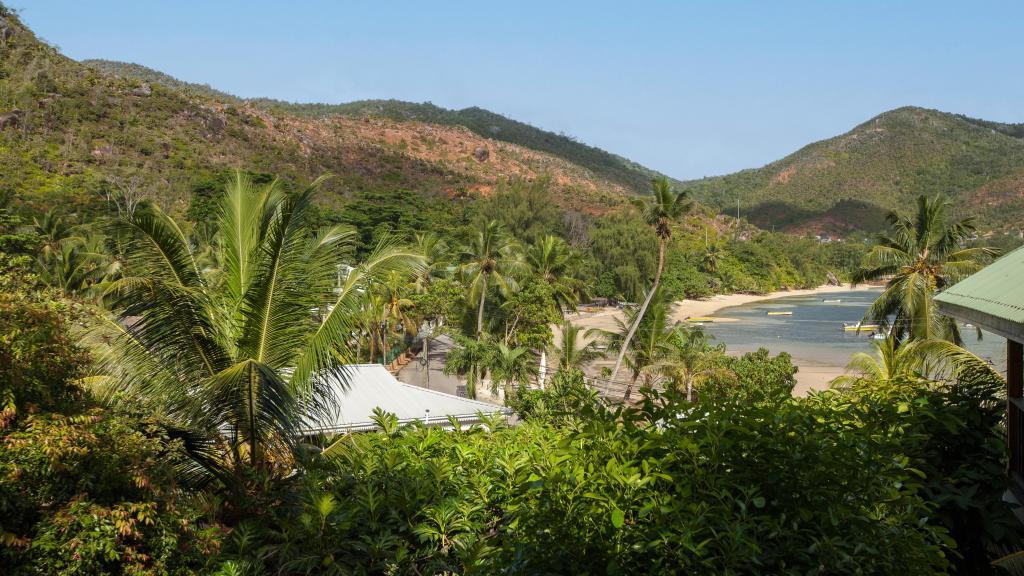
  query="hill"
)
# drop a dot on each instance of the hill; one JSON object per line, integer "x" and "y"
{"x": 848, "y": 182}
{"x": 79, "y": 133}
{"x": 483, "y": 123}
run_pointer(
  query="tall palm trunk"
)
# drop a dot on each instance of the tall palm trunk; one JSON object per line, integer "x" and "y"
{"x": 643, "y": 310}
{"x": 480, "y": 310}
{"x": 426, "y": 357}
{"x": 629, "y": 389}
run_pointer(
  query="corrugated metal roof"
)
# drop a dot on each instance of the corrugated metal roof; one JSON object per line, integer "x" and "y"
{"x": 995, "y": 293}
{"x": 368, "y": 386}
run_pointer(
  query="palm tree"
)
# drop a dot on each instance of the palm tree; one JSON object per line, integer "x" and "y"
{"x": 646, "y": 353}
{"x": 470, "y": 358}
{"x": 927, "y": 359}
{"x": 237, "y": 357}
{"x": 510, "y": 366}
{"x": 692, "y": 361}
{"x": 659, "y": 213}
{"x": 550, "y": 260}
{"x": 490, "y": 257}
{"x": 570, "y": 350}
{"x": 891, "y": 360}
{"x": 435, "y": 253}
{"x": 920, "y": 256}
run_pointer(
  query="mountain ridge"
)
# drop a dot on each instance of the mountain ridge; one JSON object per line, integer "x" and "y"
{"x": 480, "y": 121}
{"x": 848, "y": 182}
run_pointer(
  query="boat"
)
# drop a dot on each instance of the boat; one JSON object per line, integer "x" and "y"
{"x": 835, "y": 301}
{"x": 879, "y": 336}
{"x": 700, "y": 319}
{"x": 780, "y": 313}
{"x": 860, "y": 327}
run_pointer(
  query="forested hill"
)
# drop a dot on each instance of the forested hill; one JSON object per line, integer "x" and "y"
{"x": 849, "y": 182}
{"x": 73, "y": 133}
{"x": 483, "y": 123}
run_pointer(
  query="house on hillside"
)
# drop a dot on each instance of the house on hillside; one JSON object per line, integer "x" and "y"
{"x": 993, "y": 298}
{"x": 365, "y": 387}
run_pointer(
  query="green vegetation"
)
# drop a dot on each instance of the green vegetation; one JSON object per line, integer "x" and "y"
{"x": 921, "y": 256}
{"x": 483, "y": 122}
{"x": 165, "y": 320}
{"x": 181, "y": 451}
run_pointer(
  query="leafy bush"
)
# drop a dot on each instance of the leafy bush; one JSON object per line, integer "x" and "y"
{"x": 855, "y": 482}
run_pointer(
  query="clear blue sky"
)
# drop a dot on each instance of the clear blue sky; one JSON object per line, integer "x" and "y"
{"x": 688, "y": 88}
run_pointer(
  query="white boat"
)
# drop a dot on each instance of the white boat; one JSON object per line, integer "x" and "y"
{"x": 835, "y": 301}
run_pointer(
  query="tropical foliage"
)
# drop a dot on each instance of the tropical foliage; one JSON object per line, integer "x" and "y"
{"x": 920, "y": 256}
{"x": 234, "y": 357}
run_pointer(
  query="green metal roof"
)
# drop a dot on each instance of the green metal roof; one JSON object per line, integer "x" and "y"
{"x": 992, "y": 297}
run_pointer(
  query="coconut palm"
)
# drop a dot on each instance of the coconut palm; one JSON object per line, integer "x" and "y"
{"x": 510, "y": 367}
{"x": 570, "y": 350}
{"x": 76, "y": 264}
{"x": 652, "y": 346}
{"x": 659, "y": 212}
{"x": 470, "y": 358}
{"x": 238, "y": 357}
{"x": 893, "y": 360}
{"x": 920, "y": 256}
{"x": 692, "y": 361}
{"x": 435, "y": 253}
{"x": 550, "y": 260}
{"x": 490, "y": 258}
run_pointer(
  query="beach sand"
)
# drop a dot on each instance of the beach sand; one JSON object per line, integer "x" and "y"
{"x": 811, "y": 376}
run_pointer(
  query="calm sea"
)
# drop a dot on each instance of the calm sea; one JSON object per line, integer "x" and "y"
{"x": 814, "y": 334}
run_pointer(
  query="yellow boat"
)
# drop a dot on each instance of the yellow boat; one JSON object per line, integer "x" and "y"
{"x": 780, "y": 313}
{"x": 860, "y": 327}
{"x": 700, "y": 319}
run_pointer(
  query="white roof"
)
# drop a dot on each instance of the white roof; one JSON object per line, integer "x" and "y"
{"x": 364, "y": 387}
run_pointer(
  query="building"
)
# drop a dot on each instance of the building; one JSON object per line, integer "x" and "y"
{"x": 993, "y": 298}
{"x": 363, "y": 387}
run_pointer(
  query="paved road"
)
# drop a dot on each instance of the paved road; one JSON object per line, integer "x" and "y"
{"x": 415, "y": 372}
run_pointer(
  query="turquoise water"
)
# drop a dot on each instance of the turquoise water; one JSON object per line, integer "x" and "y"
{"x": 814, "y": 334}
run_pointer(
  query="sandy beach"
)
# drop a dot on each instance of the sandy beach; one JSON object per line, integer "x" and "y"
{"x": 811, "y": 375}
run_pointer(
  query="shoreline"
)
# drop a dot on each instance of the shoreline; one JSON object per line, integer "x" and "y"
{"x": 683, "y": 309}
{"x": 810, "y": 376}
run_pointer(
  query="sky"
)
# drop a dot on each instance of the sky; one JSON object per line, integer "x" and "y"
{"x": 691, "y": 89}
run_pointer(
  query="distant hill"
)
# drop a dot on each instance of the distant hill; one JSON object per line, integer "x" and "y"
{"x": 75, "y": 133}
{"x": 482, "y": 122}
{"x": 848, "y": 182}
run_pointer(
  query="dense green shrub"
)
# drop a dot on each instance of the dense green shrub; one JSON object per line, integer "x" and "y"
{"x": 861, "y": 482}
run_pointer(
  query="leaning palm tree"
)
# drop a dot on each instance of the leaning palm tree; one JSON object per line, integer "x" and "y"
{"x": 236, "y": 358}
{"x": 920, "y": 256}
{"x": 491, "y": 257}
{"x": 550, "y": 260}
{"x": 652, "y": 345}
{"x": 659, "y": 212}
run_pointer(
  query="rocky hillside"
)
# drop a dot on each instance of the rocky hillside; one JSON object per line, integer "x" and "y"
{"x": 483, "y": 123}
{"x": 848, "y": 182}
{"x": 77, "y": 133}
